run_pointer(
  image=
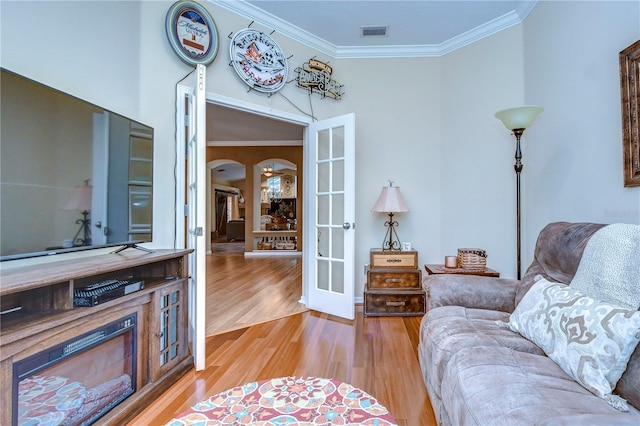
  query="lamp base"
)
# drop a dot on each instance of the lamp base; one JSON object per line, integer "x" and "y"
{"x": 85, "y": 229}
{"x": 391, "y": 241}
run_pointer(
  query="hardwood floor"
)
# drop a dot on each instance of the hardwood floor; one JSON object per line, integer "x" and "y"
{"x": 376, "y": 354}
{"x": 245, "y": 291}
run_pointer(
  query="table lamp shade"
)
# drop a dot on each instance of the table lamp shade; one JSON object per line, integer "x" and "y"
{"x": 390, "y": 201}
{"x": 520, "y": 117}
{"x": 80, "y": 199}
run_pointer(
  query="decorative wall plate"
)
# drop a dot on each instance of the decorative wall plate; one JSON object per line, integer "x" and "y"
{"x": 287, "y": 185}
{"x": 258, "y": 60}
{"x": 192, "y": 33}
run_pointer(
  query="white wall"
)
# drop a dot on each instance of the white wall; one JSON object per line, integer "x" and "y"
{"x": 478, "y": 180}
{"x": 396, "y": 102}
{"x": 573, "y": 159}
{"x": 425, "y": 123}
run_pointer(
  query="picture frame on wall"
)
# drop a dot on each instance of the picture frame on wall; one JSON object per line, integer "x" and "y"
{"x": 630, "y": 103}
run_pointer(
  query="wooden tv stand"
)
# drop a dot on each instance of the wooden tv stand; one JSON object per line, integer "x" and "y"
{"x": 47, "y": 317}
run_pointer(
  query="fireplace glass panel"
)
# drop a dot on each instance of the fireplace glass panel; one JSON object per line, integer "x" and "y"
{"x": 78, "y": 381}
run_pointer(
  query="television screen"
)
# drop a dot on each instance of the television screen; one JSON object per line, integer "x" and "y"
{"x": 73, "y": 176}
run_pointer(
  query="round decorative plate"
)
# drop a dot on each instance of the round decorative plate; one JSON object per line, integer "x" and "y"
{"x": 192, "y": 33}
{"x": 258, "y": 60}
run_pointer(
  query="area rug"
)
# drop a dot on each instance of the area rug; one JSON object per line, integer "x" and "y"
{"x": 288, "y": 401}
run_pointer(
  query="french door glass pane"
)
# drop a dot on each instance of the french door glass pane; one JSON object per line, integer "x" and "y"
{"x": 324, "y": 139}
{"x": 338, "y": 142}
{"x": 337, "y": 277}
{"x": 337, "y": 243}
{"x": 324, "y": 177}
{"x": 337, "y": 210}
{"x": 323, "y": 275}
{"x": 323, "y": 210}
{"x": 337, "y": 180}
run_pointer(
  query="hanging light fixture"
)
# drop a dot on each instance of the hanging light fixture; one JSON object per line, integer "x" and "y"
{"x": 267, "y": 171}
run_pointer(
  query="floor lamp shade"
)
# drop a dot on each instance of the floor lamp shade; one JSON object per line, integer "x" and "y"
{"x": 520, "y": 117}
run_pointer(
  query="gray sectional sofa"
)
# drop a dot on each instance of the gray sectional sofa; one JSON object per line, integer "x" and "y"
{"x": 478, "y": 367}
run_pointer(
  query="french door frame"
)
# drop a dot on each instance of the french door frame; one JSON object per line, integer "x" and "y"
{"x": 301, "y": 120}
{"x": 248, "y": 107}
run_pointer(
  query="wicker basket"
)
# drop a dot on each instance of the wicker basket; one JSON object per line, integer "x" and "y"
{"x": 472, "y": 258}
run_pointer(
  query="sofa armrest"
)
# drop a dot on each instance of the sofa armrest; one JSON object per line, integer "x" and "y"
{"x": 471, "y": 291}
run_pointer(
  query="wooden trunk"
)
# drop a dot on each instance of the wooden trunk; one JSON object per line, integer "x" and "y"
{"x": 396, "y": 303}
{"x": 379, "y": 279}
{"x": 394, "y": 259}
{"x": 394, "y": 284}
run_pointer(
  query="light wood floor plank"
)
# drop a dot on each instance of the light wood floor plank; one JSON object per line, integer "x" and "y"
{"x": 245, "y": 291}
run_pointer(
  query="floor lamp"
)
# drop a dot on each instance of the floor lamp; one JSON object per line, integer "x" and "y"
{"x": 518, "y": 120}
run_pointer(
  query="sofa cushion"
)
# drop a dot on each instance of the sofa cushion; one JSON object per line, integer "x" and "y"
{"x": 448, "y": 329}
{"x": 557, "y": 253}
{"x": 628, "y": 386}
{"x": 590, "y": 340}
{"x": 610, "y": 266}
{"x": 502, "y": 386}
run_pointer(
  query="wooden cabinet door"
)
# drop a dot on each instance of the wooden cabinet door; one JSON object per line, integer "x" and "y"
{"x": 168, "y": 344}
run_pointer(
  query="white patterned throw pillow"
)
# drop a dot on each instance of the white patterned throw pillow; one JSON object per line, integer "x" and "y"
{"x": 609, "y": 268}
{"x": 590, "y": 340}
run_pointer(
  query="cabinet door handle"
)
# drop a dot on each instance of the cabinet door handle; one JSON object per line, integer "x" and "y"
{"x": 394, "y": 280}
{"x": 160, "y": 334}
{"x": 395, "y": 303}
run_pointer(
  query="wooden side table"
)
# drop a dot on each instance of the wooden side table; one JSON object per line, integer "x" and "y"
{"x": 433, "y": 269}
{"x": 394, "y": 284}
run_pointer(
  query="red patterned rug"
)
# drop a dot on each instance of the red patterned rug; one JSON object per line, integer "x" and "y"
{"x": 288, "y": 401}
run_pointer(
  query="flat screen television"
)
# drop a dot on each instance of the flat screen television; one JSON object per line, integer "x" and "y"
{"x": 73, "y": 176}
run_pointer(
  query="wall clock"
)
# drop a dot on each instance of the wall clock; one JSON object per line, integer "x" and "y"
{"x": 192, "y": 33}
{"x": 258, "y": 60}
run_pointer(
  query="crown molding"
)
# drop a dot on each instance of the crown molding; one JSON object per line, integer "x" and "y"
{"x": 266, "y": 19}
{"x": 247, "y": 10}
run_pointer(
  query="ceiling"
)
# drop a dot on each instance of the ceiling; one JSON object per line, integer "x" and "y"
{"x": 415, "y": 28}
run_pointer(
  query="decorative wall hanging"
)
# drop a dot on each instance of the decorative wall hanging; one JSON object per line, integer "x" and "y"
{"x": 315, "y": 76}
{"x": 258, "y": 60}
{"x": 630, "y": 97}
{"x": 192, "y": 33}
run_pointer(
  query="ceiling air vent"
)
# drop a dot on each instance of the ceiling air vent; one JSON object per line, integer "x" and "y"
{"x": 374, "y": 31}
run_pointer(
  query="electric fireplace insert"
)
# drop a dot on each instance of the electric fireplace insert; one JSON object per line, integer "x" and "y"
{"x": 78, "y": 381}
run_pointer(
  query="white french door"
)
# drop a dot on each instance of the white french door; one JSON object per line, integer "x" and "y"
{"x": 330, "y": 216}
{"x": 191, "y": 110}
